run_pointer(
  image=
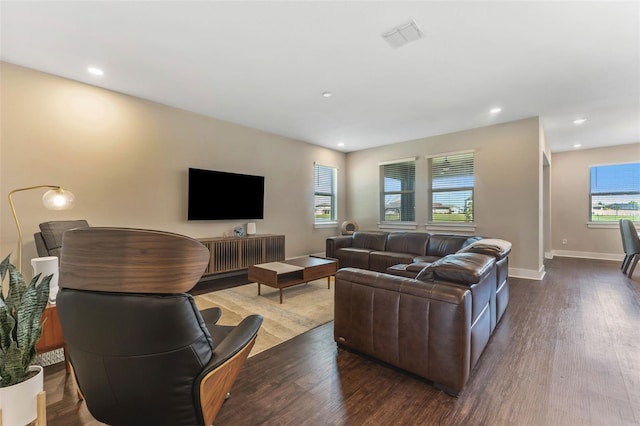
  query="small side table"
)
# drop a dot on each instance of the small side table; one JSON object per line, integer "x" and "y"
{"x": 52, "y": 337}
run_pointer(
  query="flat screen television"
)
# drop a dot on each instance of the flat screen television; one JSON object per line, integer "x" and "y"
{"x": 215, "y": 195}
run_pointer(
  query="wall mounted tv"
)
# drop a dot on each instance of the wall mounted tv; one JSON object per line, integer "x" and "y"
{"x": 215, "y": 195}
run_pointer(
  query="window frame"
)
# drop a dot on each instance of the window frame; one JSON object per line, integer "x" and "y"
{"x": 634, "y": 191}
{"x": 333, "y": 194}
{"x": 383, "y": 193}
{"x": 431, "y": 191}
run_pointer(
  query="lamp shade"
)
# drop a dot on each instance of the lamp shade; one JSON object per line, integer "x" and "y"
{"x": 58, "y": 199}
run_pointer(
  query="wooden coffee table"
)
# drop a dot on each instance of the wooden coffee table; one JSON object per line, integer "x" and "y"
{"x": 292, "y": 272}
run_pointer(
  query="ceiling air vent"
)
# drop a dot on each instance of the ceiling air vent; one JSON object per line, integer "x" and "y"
{"x": 402, "y": 34}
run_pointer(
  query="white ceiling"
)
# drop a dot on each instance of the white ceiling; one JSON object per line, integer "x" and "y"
{"x": 265, "y": 64}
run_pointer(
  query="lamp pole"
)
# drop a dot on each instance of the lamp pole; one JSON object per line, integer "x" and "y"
{"x": 54, "y": 199}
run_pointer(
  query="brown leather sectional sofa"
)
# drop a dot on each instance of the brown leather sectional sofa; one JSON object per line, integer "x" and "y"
{"x": 432, "y": 315}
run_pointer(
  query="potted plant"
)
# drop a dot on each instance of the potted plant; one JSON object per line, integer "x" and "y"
{"x": 20, "y": 328}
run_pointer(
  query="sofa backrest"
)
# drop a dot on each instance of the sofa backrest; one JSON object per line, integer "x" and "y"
{"x": 49, "y": 239}
{"x": 408, "y": 242}
{"x": 372, "y": 240}
{"x": 441, "y": 245}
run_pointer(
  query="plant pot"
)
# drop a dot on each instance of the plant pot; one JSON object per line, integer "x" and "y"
{"x": 19, "y": 402}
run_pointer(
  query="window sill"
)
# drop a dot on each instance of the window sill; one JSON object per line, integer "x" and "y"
{"x": 325, "y": 225}
{"x": 608, "y": 225}
{"x": 451, "y": 227}
{"x": 407, "y": 226}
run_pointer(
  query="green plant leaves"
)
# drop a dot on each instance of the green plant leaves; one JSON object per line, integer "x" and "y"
{"x": 20, "y": 322}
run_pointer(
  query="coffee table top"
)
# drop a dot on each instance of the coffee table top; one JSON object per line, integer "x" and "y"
{"x": 308, "y": 261}
{"x": 279, "y": 267}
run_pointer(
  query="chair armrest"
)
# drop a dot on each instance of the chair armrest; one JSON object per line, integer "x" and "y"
{"x": 211, "y": 315}
{"x": 214, "y": 382}
{"x": 237, "y": 339}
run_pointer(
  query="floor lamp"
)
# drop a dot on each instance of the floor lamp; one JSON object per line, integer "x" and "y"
{"x": 55, "y": 198}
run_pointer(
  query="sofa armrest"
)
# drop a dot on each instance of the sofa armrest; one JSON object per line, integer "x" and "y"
{"x": 423, "y": 328}
{"x": 335, "y": 243}
{"x": 463, "y": 268}
{"x": 489, "y": 246}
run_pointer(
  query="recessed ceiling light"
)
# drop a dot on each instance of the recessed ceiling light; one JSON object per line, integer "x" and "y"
{"x": 95, "y": 71}
{"x": 340, "y": 143}
{"x": 495, "y": 110}
{"x": 327, "y": 94}
{"x": 579, "y": 121}
{"x": 577, "y": 145}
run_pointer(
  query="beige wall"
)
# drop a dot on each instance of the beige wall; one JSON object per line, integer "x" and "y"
{"x": 570, "y": 203}
{"x": 507, "y": 202}
{"x": 126, "y": 160}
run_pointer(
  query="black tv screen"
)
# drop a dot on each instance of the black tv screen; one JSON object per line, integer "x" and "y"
{"x": 215, "y": 195}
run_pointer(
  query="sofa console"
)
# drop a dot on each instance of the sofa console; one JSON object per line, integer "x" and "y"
{"x": 431, "y": 312}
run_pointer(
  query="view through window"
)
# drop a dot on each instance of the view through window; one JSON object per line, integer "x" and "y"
{"x": 452, "y": 183}
{"x": 398, "y": 198}
{"x": 325, "y": 189}
{"x": 615, "y": 192}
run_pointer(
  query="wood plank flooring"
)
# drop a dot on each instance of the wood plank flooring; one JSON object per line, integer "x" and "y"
{"x": 567, "y": 352}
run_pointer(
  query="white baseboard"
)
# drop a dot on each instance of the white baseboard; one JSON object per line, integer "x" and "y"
{"x": 548, "y": 254}
{"x": 588, "y": 255}
{"x": 528, "y": 274}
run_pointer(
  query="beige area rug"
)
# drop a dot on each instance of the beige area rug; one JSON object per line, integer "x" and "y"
{"x": 304, "y": 307}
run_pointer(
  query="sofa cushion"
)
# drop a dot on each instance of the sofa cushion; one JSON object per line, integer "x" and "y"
{"x": 442, "y": 245}
{"x": 410, "y": 270}
{"x": 464, "y": 268}
{"x": 380, "y": 260}
{"x": 375, "y": 241}
{"x": 353, "y": 257}
{"x": 408, "y": 242}
{"x": 489, "y": 246}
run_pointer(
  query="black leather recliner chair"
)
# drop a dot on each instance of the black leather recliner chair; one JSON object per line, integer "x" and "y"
{"x": 141, "y": 351}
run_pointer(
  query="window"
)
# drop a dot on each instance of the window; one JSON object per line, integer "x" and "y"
{"x": 325, "y": 189}
{"x": 398, "y": 195}
{"x": 452, "y": 182}
{"x": 615, "y": 192}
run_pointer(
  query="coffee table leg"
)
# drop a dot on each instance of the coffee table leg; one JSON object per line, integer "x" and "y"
{"x": 329, "y": 282}
{"x": 281, "y": 296}
{"x": 258, "y": 289}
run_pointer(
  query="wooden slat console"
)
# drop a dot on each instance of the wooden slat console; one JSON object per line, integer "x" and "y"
{"x": 237, "y": 253}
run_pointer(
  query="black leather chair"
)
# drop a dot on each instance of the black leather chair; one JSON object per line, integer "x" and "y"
{"x": 630, "y": 245}
{"x": 141, "y": 351}
{"x": 49, "y": 239}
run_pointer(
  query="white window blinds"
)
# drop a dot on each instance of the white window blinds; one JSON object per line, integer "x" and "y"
{"x": 452, "y": 183}
{"x": 615, "y": 192}
{"x": 325, "y": 184}
{"x": 398, "y": 185}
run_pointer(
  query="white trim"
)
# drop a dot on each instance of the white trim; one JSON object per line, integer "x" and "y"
{"x": 527, "y": 274}
{"x": 322, "y": 225}
{"x": 319, "y": 254}
{"x": 588, "y": 255}
{"x": 612, "y": 164}
{"x": 400, "y": 225}
{"x": 403, "y": 160}
{"x": 451, "y": 227}
{"x": 548, "y": 254}
{"x": 609, "y": 225}
{"x": 446, "y": 154}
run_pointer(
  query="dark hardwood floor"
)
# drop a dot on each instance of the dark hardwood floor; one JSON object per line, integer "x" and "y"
{"x": 567, "y": 352}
